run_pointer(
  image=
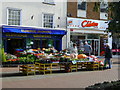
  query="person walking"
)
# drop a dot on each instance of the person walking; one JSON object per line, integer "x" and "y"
{"x": 87, "y": 49}
{"x": 108, "y": 56}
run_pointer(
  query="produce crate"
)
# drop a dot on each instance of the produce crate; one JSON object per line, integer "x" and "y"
{"x": 64, "y": 65}
{"x": 27, "y": 69}
{"x": 93, "y": 65}
{"x": 82, "y": 65}
{"x": 68, "y": 66}
{"x": 73, "y": 67}
{"x": 55, "y": 66}
{"x": 37, "y": 67}
{"x": 46, "y": 67}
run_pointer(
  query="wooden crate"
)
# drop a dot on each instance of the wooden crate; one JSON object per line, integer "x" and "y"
{"x": 73, "y": 67}
{"x": 68, "y": 66}
{"x": 46, "y": 67}
{"x": 93, "y": 65}
{"x": 27, "y": 69}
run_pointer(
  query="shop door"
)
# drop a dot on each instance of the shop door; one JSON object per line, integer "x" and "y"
{"x": 95, "y": 43}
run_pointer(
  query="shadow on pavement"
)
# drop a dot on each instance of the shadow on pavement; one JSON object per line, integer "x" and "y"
{"x": 11, "y": 75}
{"x": 17, "y": 74}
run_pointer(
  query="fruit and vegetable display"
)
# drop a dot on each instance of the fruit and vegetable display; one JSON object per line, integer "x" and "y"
{"x": 48, "y": 56}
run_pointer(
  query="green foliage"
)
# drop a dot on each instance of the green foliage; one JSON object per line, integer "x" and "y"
{"x": 113, "y": 11}
{"x": 22, "y": 59}
{"x": 3, "y": 55}
{"x": 31, "y": 58}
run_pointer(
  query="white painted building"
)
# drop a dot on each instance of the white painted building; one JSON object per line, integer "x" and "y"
{"x": 35, "y": 13}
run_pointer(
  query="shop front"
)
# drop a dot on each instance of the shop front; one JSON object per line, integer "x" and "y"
{"x": 89, "y": 30}
{"x": 17, "y": 37}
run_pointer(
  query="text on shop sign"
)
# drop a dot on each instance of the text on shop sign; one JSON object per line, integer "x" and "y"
{"x": 35, "y": 31}
{"x": 86, "y": 23}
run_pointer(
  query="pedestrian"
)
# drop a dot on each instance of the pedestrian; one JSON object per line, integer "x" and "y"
{"x": 87, "y": 49}
{"x": 74, "y": 51}
{"x": 108, "y": 56}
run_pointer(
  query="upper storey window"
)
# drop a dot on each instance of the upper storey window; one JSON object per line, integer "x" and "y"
{"x": 81, "y": 5}
{"x": 49, "y": 2}
{"x": 13, "y": 16}
{"x": 103, "y": 7}
{"x": 48, "y": 20}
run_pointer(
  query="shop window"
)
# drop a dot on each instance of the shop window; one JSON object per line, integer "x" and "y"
{"x": 13, "y": 16}
{"x": 51, "y": 2}
{"x": 48, "y": 20}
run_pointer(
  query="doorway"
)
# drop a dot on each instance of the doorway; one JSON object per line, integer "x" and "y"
{"x": 95, "y": 43}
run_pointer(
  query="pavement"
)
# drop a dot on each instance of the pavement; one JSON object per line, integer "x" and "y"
{"x": 81, "y": 79}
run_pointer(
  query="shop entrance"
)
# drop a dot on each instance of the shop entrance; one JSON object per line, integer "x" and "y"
{"x": 95, "y": 43}
{"x": 13, "y": 44}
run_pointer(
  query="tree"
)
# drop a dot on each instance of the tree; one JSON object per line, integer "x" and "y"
{"x": 114, "y": 17}
{"x": 114, "y": 24}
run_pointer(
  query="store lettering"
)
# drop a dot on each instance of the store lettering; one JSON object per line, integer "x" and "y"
{"x": 17, "y": 35}
{"x": 44, "y": 31}
{"x": 28, "y": 31}
{"x": 46, "y": 36}
{"x": 86, "y": 23}
{"x": 35, "y": 31}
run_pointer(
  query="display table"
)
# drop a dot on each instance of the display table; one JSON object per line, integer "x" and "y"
{"x": 67, "y": 66}
{"x": 46, "y": 67}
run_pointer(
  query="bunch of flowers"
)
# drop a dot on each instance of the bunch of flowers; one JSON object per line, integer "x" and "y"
{"x": 11, "y": 58}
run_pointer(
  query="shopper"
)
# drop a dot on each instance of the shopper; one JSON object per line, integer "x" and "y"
{"x": 108, "y": 56}
{"x": 87, "y": 49}
{"x": 74, "y": 51}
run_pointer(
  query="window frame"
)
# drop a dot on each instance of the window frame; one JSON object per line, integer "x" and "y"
{"x": 43, "y": 20}
{"x": 48, "y": 2}
{"x": 8, "y": 8}
{"x": 85, "y": 6}
{"x": 104, "y": 8}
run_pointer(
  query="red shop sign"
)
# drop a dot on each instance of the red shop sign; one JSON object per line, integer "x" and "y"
{"x": 86, "y": 23}
{"x": 115, "y": 50}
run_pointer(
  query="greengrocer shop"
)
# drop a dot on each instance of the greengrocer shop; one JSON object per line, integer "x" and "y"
{"x": 20, "y": 37}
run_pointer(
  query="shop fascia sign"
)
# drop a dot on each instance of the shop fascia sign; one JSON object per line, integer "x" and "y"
{"x": 86, "y": 24}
